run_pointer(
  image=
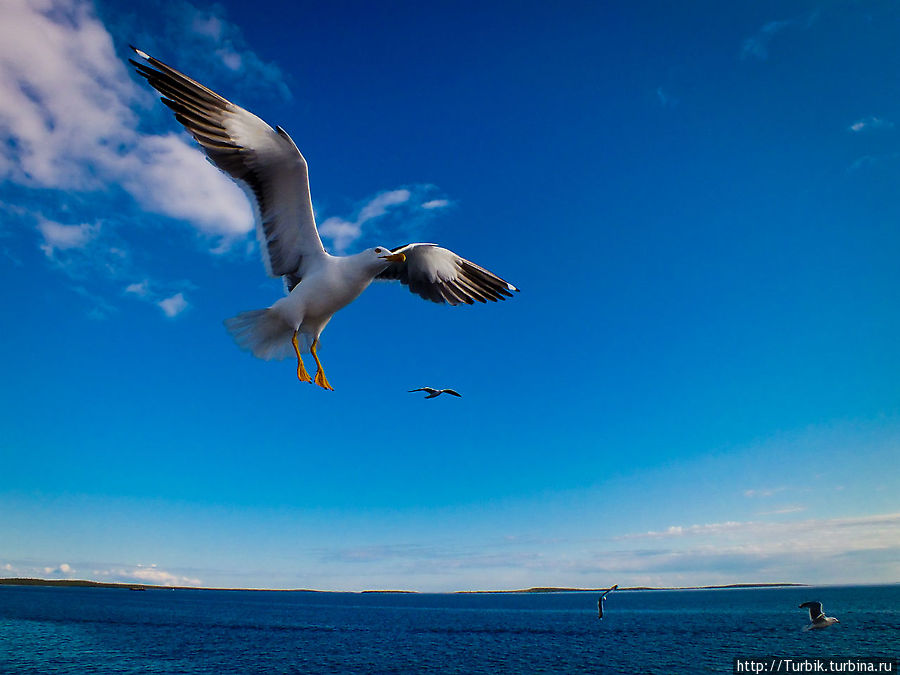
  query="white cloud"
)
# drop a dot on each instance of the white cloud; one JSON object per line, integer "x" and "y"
{"x": 686, "y": 530}
{"x": 167, "y": 176}
{"x": 208, "y": 24}
{"x": 869, "y": 124}
{"x": 140, "y": 289}
{"x": 148, "y": 574}
{"x": 162, "y": 578}
{"x": 343, "y": 232}
{"x": 409, "y": 207}
{"x": 436, "y": 204}
{"x": 63, "y": 569}
{"x": 380, "y": 204}
{"x": 66, "y": 121}
{"x": 63, "y": 237}
{"x": 174, "y": 305}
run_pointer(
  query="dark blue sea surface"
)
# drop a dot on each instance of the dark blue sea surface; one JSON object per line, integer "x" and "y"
{"x": 97, "y": 630}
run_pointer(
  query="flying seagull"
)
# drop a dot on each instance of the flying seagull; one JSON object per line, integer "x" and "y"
{"x": 817, "y": 616}
{"x": 601, "y": 599}
{"x": 267, "y": 164}
{"x": 436, "y": 392}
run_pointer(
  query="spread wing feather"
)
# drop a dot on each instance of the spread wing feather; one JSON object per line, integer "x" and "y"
{"x": 440, "y": 275}
{"x": 264, "y": 160}
{"x": 815, "y": 610}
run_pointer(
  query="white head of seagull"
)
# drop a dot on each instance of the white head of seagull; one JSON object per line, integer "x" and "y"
{"x": 817, "y": 616}
{"x": 267, "y": 163}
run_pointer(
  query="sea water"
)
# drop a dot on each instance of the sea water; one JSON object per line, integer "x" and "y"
{"x": 100, "y": 630}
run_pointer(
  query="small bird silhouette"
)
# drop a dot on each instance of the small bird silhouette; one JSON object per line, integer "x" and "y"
{"x": 436, "y": 392}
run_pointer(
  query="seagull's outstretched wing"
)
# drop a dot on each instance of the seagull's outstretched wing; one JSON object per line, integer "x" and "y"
{"x": 815, "y": 610}
{"x": 440, "y": 275}
{"x": 428, "y": 390}
{"x": 265, "y": 160}
{"x": 452, "y": 392}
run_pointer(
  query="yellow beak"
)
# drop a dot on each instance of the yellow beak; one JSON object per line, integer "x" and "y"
{"x": 395, "y": 257}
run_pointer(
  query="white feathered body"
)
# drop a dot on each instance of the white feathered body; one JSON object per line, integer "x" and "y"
{"x": 824, "y": 622}
{"x": 331, "y": 284}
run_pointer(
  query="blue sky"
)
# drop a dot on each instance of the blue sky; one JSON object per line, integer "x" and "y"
{"x": 696, "y": 385}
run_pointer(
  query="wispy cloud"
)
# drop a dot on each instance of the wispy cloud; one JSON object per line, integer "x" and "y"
{"x": 99, "y": 307}
{"x": 757, "y": 45}
{"x": 783, "y": 510}
{"x": 139, "y": 288}
{"x": 687, "y": 530}
{"x": 811, "y": 550}
{"x": 83, "y": 250}
{"x": 665, "y": 98}
{"x": 342, "y": 232}
{"x": 862, "y": 162}
{"x": 763, "y": 492}
{"x": 870, "y": 124}
{"x": 436, "y": 204}
{"x": 876, "y": 530}
{"x": 63, "y": 237}
{"x": 209, "y": 32}
{"x": 397, "y": 212}
{"x": 94, "y": 256}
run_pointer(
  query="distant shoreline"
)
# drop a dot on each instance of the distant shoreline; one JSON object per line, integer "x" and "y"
{"x": 80, "y": 583}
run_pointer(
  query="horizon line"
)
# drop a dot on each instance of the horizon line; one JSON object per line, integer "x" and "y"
{"x": 86, "y": 583}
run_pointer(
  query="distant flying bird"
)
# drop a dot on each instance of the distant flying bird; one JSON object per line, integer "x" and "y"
{"x": 602, "y": 598}
{"x": 267, "y": 163}
{"x": 436, "y": 392}
{"x": 817, "y": 616}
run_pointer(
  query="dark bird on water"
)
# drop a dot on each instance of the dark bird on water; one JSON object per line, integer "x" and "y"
{"x": 601, "y": 599}
{"x": 436, "y": 392}
{"x": 817, "y": 616}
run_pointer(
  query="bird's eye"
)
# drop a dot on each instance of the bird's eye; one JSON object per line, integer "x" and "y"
{"x": 379, "y": 250}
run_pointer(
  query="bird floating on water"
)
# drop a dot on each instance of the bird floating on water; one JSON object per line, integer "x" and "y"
{"x": 817, "y": 616}
{"x": 436, "y": 392}
{"x": 602, "y": 598}
{"x": 267, "y": 163}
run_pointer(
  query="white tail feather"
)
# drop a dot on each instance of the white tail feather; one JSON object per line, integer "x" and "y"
{"x": 263, "y": 332}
